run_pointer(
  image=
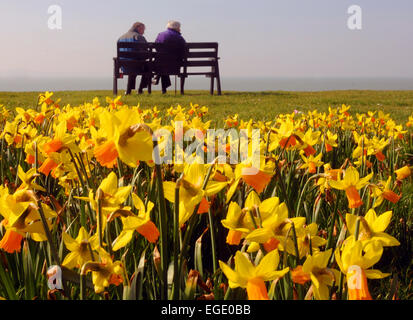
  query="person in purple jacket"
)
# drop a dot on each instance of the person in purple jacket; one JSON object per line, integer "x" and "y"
{"x": 172, "y": 54}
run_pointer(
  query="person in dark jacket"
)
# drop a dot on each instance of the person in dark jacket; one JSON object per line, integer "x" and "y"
{"x": 135, "y": 34}
{"x": 172, "y": 54}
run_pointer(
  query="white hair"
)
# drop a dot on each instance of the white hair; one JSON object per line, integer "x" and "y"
{"x": 175, "y": 25}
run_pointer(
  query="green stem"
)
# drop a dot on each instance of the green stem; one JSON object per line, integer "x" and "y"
{"x": 48, "y": 234}
{"x": 176, "y": 287}
{"x": 162, "y": 225}
{"x": 99, "y": 196}
{"x": 297, "y": 252}
{"x": 82, "y": 286}
{"x": 192, "y": 222}
{"x": 303, "y": 191}
{"x": 213, "y": 242}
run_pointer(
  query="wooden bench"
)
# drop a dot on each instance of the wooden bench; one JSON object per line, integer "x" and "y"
{"x": 143, "y": 59}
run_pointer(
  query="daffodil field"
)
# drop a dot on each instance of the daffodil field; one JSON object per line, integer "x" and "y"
{"x": 88, "y": 210}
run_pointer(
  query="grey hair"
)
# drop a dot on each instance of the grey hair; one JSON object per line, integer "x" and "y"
{"x": 175, "y": 25}
{"x": 135, "y": 26}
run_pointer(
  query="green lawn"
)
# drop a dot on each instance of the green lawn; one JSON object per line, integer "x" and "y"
{"x": 258, "y": 105}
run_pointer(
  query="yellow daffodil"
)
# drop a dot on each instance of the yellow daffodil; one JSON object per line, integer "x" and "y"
{"x": 131, "y": 223}
{"x": 307, "y": 236}
{"x": 190, "y": 190}
{"x": 112, "y": 196}
{"x": 105, "y": 272}
{"x": 372, "y": 227}
{"x": 21, "y": 217}
{"x": 234, "y": 221}
{"x": 276, "y": 227}
{"x": 315, "y": 270}
{"x": 28, "y": 178}
{"x": 351, "y": 183}
{"x": 330, "y": 141}
{"x": 124, "y": 136}
{"x": 81, "y": 249}
{"x": 403, "y": 172}
{"x": 312, "y": 163}
{"x": 251, "y": 277}
{"x": 355, "y": 260}
{"x": 383, "y": 191}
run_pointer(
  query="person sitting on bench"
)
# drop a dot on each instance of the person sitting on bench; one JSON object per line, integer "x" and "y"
{"x": 170, "y": 58}
{"x": 135, "y": 34}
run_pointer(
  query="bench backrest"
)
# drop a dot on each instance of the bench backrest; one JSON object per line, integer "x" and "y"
{"x": 200, "y": 54}
{"x": 134, "y": 50}
{"x": 196, "y": 54}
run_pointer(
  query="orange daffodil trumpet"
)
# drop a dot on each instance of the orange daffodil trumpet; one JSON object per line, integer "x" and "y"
{"x": 252, "y": 278}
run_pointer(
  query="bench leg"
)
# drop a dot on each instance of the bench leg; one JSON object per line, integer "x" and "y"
{"x": 211, "y": 89}
{"x": 218, "y": 79}
{"x": 115, "y": 86}
{"x": 182, "y": 84}
{"x": 150, "y": 84}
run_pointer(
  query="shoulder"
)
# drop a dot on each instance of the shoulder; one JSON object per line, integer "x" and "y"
{"x": 140, "y": 38}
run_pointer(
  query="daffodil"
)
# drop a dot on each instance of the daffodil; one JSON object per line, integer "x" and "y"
{"x": 131, "y": 223}
{"x": 60, "y": 141}
{"x": 105, "y": 272}
{"x": 125, "y": 136}
{"x": 234, "y": 221}
{"x": 190, "y": 189}
{"x": 112, "y": 197}
{"x": 355, "y": 260}
{"x": 351, "y": 183}
{"x": 310, "y": 139}
{"x": 308, "y": 240}
{"x": 275, "y": 227}
{"x": 383, "y": 191}
{"x": 330, "y": 141}
{"x": 403, "y": 172}
{"x": 81, "y": 249}
{"x": 315, "y": 270}
{"x": 21, "y": 217}
{"x": 372, "y": 227}
{"x": 251, "y": 277}
{"x": 28, "y": 178}
{"x": 312, "y": 163}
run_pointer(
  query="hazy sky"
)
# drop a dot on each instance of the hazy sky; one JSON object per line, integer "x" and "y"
{"x": 263, "y": 38}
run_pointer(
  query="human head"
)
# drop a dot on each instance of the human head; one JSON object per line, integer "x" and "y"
{"x": 138, "y": 27}
{"x": 174, "y": 25}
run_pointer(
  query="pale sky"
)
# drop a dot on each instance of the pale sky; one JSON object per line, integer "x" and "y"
{"x": 261, "y": 38}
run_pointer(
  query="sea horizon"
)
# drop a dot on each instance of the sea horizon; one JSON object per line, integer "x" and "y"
{"x": 245, "y": 84}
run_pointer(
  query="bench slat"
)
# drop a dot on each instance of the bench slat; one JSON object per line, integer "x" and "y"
{"x": 202, "y": 45}
{"x": 135, "y": 55}
{"x": 202, "y": 54}
{"x": 135, "y": 45}
{"x": 200, "y": 63}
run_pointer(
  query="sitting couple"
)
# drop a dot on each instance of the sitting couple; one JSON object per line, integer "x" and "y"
{"x": 175, "y": 50}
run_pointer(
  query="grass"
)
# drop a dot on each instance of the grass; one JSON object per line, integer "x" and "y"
{"x": 263, "y": 105}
